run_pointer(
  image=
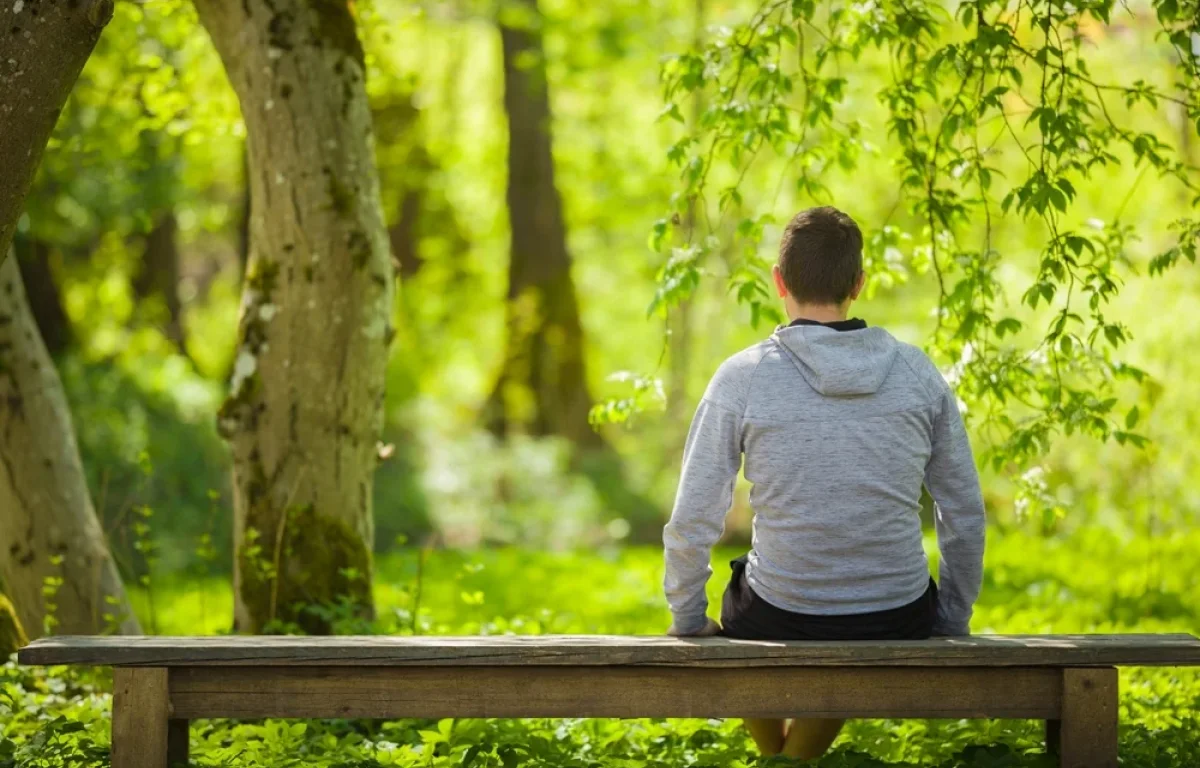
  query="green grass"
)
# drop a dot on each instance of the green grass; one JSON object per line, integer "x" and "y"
{"x": 1094, "y": 581}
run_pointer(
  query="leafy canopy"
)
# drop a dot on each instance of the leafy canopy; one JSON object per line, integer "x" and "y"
{"x": 992, "y": 113}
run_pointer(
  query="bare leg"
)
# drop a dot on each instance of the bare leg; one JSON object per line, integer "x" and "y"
{"x": 767, "y": 734}
{"x": 809, "y": 738}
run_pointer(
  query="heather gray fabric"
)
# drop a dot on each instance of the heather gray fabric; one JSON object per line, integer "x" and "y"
{"x": 839, "y": 430}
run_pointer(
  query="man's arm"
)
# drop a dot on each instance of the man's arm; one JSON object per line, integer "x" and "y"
{"x": 711, "y": 459}
{"x": 953, "y": 482}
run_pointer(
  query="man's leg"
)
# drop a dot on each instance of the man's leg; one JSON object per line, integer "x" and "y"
{"x": 767, "y": 734}
{"x": 808, "y": 738}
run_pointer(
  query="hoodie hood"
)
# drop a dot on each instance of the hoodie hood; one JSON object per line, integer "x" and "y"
{"x": 839, "y": 363}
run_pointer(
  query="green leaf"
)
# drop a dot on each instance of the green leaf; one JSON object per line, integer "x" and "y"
{"x": 1131, "y": 418}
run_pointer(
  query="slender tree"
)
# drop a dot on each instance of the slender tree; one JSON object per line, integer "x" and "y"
{"x": 158, "y": 275}
{"x": 156, "y": 279}
{"x": 304, "y": 412}
{"x": 542, "y": 387}
{"x": 679, "y": 317}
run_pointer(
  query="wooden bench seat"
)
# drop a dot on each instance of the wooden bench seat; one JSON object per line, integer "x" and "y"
{"x": 161, "y": 683}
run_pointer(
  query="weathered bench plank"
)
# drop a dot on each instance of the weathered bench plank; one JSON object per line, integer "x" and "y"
{"x": 601, "y": 650}
{"x": 436, "y": 692}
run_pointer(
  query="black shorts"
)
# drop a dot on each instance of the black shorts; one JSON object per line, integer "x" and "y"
{"x": 746, "y": 616}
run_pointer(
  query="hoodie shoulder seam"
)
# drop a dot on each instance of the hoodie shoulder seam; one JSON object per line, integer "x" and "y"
{"x": 933, "y": 398}
{"x": 754, "y": 372}
{"x": 718, "y": 406}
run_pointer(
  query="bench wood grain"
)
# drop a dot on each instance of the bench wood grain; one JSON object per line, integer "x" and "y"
{"x": 603, "y": 650}
{"x": 437, "y": 692}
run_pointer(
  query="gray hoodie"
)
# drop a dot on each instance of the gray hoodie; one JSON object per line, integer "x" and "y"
{"x": 839, "y": 431}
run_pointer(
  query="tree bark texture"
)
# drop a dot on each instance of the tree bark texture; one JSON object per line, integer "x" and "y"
{"x": 304, "y": 412}
{"x": 48, "y": 527}
{"x": 43, "y": 47}
{"x": 542, "y": 387}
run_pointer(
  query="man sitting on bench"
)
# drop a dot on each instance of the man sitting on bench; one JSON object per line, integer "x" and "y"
{"x": 840, "y": 426}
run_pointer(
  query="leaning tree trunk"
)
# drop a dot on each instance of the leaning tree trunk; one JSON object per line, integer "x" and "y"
{"x": 49, "y": 534}
{"x": 305, "y": 408}
{"x": 542, "y": 388}
{"x": 45, "y": 45}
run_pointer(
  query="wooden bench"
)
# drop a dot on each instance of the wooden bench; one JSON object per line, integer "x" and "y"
{"x": 161, "y": 683}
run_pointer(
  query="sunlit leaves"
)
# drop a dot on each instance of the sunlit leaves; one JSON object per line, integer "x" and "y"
{"x": 1188, "y": 232}
{"x": 646, "y": 394}
{"x": 961, "y": 88}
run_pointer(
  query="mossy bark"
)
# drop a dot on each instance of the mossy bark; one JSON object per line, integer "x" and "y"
{"x": 542, "y": 387}
{"x": 304, "y": 412}
{"x": 12, "y": 634}
{"x": 48, "y": 527}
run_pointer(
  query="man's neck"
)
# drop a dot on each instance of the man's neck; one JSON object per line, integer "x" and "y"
{"x": 822, "y": 313}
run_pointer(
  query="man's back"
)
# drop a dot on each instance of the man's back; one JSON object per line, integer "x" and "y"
{"x": 839, "y": 430}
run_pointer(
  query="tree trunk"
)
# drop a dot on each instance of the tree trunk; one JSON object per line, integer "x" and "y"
{"x": 49, "y": 533}
{"x": 305, "y": 408}
{"x": 45, "y": 300}
{"x": 403, "y": 234}
{"x": 46, "y": 44}
{"x": 158, "y": 275}
{"x": 542, "y": 387}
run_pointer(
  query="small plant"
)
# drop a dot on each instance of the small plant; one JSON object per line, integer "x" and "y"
{"x": 50, "y": 587}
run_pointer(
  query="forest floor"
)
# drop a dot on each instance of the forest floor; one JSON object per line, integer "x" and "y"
{"x": 1093, "y": 581}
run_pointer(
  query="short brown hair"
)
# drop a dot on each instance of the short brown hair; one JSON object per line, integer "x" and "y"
{"x": 820, "y": 255}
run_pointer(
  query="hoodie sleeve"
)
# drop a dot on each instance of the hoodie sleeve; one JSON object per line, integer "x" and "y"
{"x": 711, "y": 459}
{"x": 953, "y": 482}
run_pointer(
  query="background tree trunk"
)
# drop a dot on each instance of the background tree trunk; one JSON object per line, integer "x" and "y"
{"x": 158, "y": 276}
{"x": 48, "y": 528}
{"x": 305, "y": 408}
{"x": 46, "y": 45}
{"x": 542, "y": 387}
{"x": 41, "y": 290}
{"x": 679, "y": 319}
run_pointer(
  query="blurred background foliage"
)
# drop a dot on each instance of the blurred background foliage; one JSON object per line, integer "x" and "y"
{"x": 133, "y": 247}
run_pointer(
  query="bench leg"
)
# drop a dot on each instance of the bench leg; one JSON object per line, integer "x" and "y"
{"x": 1086, "y": 734}
{"x": 1053, "y": 737}
{"x": 141, "y": 713}
{"x": 177, "y": 742}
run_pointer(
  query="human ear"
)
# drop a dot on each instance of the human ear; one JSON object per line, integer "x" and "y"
{"x": 858, "y": 285}
{"x": 780, "y": 287}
